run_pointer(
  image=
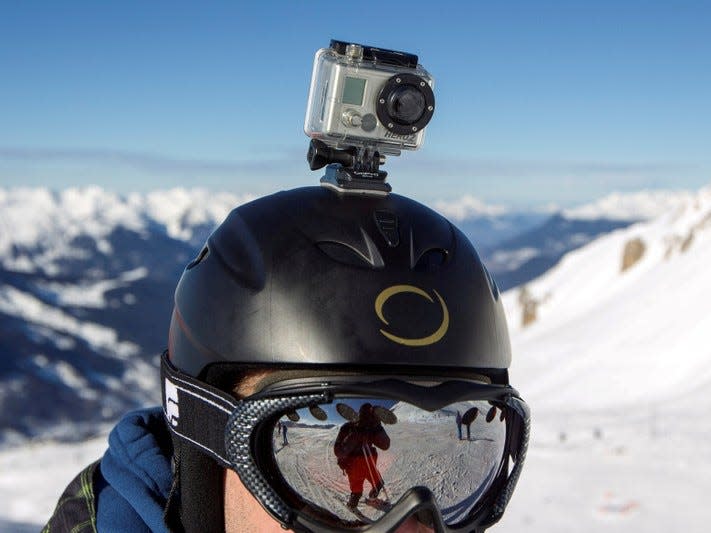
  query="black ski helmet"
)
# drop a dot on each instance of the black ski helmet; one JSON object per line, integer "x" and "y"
{"x": 309, "y": 277}
{"x": 312, "y": 279}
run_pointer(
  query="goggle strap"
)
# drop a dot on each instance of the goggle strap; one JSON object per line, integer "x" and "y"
{"x": 219, "y": 425}
{"x": 524, "y": 427}
{"x": 196, "y": 413}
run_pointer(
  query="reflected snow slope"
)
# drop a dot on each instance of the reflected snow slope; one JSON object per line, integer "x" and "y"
{"x": 414, "y": 448}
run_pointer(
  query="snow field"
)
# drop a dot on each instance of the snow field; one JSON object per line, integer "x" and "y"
{"x": 33, "y": 476}
{"x": 640, "y": 477}
{"x": 616, "y": 371}
{"x": 605, "y": 337}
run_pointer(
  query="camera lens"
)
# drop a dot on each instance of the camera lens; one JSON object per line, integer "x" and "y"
{"x": 406, "y": 104}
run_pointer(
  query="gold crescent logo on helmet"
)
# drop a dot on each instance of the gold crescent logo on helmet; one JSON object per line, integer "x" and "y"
{"x": 388, "y": 293}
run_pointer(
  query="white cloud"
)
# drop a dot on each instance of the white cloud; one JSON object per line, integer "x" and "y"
{"x": 468, "y": 206}
{"x": 642, "y": 205}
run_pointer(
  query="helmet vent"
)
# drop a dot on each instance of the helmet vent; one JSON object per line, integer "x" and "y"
{"x": 347, "y": 254}
{"x": 386, "y": 222}
{"x": 202, "y": 255}
{"x": 359, "y": 253}
{"x": 431, "y": 260}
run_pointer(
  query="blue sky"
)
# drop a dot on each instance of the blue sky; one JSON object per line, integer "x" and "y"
{"x": 537, "y": 102}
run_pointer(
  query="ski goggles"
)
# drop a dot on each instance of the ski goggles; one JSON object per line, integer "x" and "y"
{"x": 362, "y": 452}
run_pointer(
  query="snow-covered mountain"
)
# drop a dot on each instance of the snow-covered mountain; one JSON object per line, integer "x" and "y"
{"x": 86, "y": 281}
{"x": 488, "y": 225}
{"x": 630, "y": 311}
{"x": 518, "y": 246}
{"x": 528, "y": 255}
{"x": 39, "y": 228}
{"x": 515, "y": 257}
{"x": 614, "y": 361}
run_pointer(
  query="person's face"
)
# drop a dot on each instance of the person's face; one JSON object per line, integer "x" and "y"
{"x": 244, "y": 513}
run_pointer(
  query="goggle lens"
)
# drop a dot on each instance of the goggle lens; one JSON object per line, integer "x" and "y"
{"x": 351, "y": 460}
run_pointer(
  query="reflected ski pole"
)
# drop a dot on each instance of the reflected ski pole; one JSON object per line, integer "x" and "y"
{"x": 372, "y": 468}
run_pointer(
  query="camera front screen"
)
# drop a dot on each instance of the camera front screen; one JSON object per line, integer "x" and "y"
{"x": 353, "y": 90}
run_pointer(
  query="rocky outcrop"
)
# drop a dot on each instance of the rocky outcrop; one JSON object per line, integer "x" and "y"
{"x": 686, "y": 243}
{"x": 529, "y": 306}
{"x": 677, "y": 243}
{"x": 632, "y": 253}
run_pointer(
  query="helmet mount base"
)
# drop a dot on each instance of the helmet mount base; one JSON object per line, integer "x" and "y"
{"x": 348, "y": 181}
{"x": 352, "y": 170}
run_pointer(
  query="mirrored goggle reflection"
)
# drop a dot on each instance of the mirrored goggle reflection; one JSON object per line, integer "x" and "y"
{"x": 353, "y": 459}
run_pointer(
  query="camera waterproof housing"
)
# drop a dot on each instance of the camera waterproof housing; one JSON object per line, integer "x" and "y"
{"x": 365, "y": 103}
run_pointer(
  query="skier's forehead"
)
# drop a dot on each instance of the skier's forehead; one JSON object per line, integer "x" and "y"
{"x": 251, "y": 382}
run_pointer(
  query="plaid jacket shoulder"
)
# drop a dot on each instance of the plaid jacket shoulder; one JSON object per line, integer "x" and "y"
{"x": 76, "y": 509}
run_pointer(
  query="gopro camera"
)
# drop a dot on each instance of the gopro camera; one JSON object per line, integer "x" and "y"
{"x": 366, "y": 96}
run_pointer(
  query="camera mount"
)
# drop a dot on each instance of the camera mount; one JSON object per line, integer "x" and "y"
{"x": 352, "y": 170}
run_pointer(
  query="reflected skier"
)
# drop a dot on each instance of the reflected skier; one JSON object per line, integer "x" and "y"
{"x": 468, "y": 418}
{"x": 356, "y": 452}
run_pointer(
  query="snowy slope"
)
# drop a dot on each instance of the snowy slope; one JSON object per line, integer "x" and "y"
{"x": 635, "y": 336}
{"x": 616, "y": 370}
{"x": 34, "y": 476}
